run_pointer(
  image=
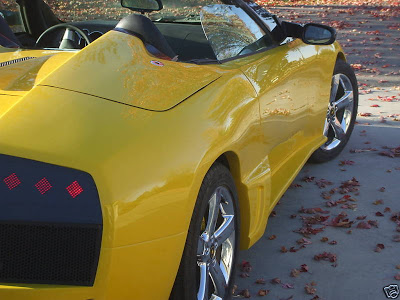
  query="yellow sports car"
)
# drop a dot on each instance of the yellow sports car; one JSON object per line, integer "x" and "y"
{"x": 143, "y": 142}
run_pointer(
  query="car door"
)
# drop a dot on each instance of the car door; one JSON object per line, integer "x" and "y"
{"x": 275, "y": 73}
{"x": 285, "y": 78}
{"x": 283, "y": 92}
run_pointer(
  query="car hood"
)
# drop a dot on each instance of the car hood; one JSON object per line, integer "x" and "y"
{"x": 115, "y": 67}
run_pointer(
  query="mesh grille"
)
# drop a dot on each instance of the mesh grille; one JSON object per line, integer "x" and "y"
{"x": 49, "y": 253}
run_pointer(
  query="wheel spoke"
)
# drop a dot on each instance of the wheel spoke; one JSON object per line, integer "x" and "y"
{"x": 204, "y": 282}
{"x": 337, "y": 128}
{"x": 326, "y": 128}
{"x": 218, "y": 278}
{"x": 203, "y": 240}
{"x": 344, "y": 101}
{"x": 335, "y": 87}
{"x": 213, "y": 212}
{"x": 225, "y": 230}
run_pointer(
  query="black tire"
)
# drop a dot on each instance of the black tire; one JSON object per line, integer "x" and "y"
{"x": 186, "y": 284}
{"x": 324, "y": 154}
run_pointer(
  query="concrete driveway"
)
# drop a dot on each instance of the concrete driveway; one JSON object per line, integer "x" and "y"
{"x": 362, "y": 254}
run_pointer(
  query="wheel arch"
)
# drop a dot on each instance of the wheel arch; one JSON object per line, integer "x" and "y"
{"x": 231, "y": 160}
{"x": 341, "y": 56}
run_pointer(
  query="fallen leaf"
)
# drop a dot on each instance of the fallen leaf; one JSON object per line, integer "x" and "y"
{"x": 308, "y": 178}
{"x": 373, "y": 223}
{"x": 387, "y": 210}
{"x": 361, "y": 217}
{"x": 234, "y": 289}
{"x": 245, "y": 293}
{"x": 313, "y": 210}
{"x": 303, "y": 241}
{"x": 272, "y": 237}
{"x": 294, "y": 273}
{"x": 397, "y": 276}
{"x": 324, "y": 239}
{"x": 363, "y": 225}
{"x": 260, "y": 281}
{"x": 363, "y": 150}
{"x": 325, "y": 256}
{"x": 377, "y": 202}
{"x": 303, "y": 268}
{"x": 396, "y": 218}
{"x": 396, "y": 238}
{"x": 283, "y": 249}
{"x": 346, "y": 163}
{"x": 307, "y": 230}
{"x": 310, "y": 289}
{"x": 349, "y": 186}
{"x": 295, "y": 185}
{"x": 379, "y": 214}
{"x": 245, "y": 266}
{"x": 382, "y": 189}
{"x": 263, "y": 292}
{"x": 332, "y": 243}
{"x": 379, "y": 247}
{"x": 322, "y": 183}
{"x": 341, "y": 221}
{"x": 287, "y": 286}
{"x": 275, "y": 281}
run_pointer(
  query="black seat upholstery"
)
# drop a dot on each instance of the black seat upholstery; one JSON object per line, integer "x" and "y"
{"x": 144, "y": 28}
{"x": 6, "y": 32}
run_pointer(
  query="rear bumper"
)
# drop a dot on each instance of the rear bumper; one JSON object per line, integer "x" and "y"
{"x": 142, "y": 271}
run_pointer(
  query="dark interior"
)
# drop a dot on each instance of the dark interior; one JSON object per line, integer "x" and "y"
{"x": 187, "y": 40}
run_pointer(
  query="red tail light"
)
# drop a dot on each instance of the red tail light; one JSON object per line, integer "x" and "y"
{"x": 43, "y": 186}
{"x": 74, "y": 189}
{"x": 12, "y": 181}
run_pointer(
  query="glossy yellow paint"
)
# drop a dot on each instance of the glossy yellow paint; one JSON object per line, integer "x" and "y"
{"x": 108, "y": 111}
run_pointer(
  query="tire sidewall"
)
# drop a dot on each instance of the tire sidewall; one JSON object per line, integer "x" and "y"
{"x": 323, "y": 155}
{"x": 218, "y": 175}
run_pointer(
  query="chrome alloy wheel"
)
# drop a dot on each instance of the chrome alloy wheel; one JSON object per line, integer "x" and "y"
{"x": 340, "y": 111}
{"x": 216, "y": 245}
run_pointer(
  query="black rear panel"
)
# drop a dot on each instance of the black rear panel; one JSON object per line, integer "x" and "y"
{"x": 50, "y": 224}
{"x": 49, "y": 254}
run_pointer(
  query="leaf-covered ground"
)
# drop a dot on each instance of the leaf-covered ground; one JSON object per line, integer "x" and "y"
{"x": 336, "y": 232}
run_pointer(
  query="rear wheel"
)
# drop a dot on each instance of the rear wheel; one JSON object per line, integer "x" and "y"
{"x": 208, "y": 263}
{"x": 341, "y": 114}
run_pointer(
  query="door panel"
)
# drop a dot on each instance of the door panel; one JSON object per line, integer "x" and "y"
{"x": 314, "y": 73}
{"x": 284, "y": 105}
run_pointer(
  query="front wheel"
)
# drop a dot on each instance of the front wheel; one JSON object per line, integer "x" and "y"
{"x": 208, "y": 263}
{"x": 341, "y": 114}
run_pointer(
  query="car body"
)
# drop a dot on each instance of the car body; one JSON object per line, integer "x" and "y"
{"x": 147, "y": 130}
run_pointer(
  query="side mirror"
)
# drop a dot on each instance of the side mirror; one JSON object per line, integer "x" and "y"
{"x": 318, "y": 34}
{"x": 142, "y": 5}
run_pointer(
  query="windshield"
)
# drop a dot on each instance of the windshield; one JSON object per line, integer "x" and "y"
{"x": 83, "y": 10}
